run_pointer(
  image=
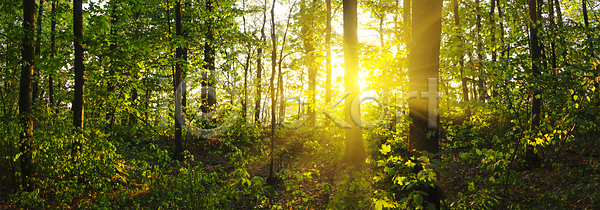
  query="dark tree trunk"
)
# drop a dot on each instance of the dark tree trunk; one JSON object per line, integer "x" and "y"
{"x": 38, "y": 51}
{"x": 479, "y": 67}
{"x": 461, "y": 61}
{"x": 423, "y": 75}
{"x": 272, "y": 85}
{"x": 78, "y": 99}
{"x": 113, "y": 48}
{"x": 259, "y": 68}
{"x": 355, "y": 149}
{"x": 177, "y": 81}
{"x": 208, "y": 95}
{"x": 535, "y": 59}
{"x": 246, "y": 68}
{"x": 25, "y": 95}
{"x": 52, "y": 55}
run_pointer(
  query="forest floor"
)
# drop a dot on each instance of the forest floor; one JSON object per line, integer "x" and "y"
{"x": 309, "y": 174}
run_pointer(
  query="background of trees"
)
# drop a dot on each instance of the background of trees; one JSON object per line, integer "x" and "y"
{"x": 90, "y": 97}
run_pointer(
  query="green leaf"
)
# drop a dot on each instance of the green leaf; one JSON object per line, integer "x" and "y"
{"x": 418, "y": 199}
{"x": 385, "y": 149}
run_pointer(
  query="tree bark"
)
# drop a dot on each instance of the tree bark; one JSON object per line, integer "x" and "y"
{"x": 78, "y": 99}
{"x": 480, "y": 68}
{"x": 328, "y": 92}
{"x": 423, "y": 75}
{"x": 52, "y": 55}
{"x": 535, "y": 59}
{"x": 208, "y": 76}
{"x": 38, "y": 51}
{"x": 177, "y": 80}
{"x": 272, "y": 85}
{"x": 308, "y": 36}
{"x": 259, "y": 67}
{"x": 25, "y": 95}
{"x": 461, "y": 61}
{"x": 355, "y": 150}
{"x": 113, "y": 48}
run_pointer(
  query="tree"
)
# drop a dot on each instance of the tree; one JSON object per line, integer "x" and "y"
{"x": 461, "y": 61}
{"x": 536, "y": 55}
{"x": 307, "y": 18}
{"x": 259, "y": 67}
{"x": 53, "y": 54}
{"x": 25, "y": 95}
{"x": 38, "y": 50}
{"x": 355, "y": 149}
{"x": 423, "y": 74}
{"x": 272, "y": 85}
{"x": 328, "y": 51}
{"x": 177, "y": 81}
{"x": 208, "y": 75}
{"x": 78, "y": 99}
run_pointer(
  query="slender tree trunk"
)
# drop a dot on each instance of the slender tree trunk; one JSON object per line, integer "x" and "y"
{"x": 461, "y": 61}
{"x": 246, "y": 68}
{"x": 25, "y": 95}
{"x": 38, "y": 51}
{"x": 113, "y": 48}
{"x": 259, "y": 67}
{"x": 480, "y": 68}
{"x": 552, "y": 37}
{"x": 328, "y": 51}
{"x": 504, "y": 48}
{"x": 355, "y": 149}
{"x": 308, "y": 36}
{"x": 78, "y": 99}
{"x": 535, "y": 59}
{"x": 280, "y": 77}
{"x": 272, "y": 84}
{"x": 52, "y": 55}
{"x": 208, "y": 95}
{"x": 177, "y": 80}
{"x": 558, "y": 13}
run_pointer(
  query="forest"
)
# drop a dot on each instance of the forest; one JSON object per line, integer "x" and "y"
{"x": 300, "y": 104}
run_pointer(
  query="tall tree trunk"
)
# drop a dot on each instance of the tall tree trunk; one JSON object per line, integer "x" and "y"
{"x": 52, "y": 55}
{"x": 535, "y": 59}
{"x": 355, "y": 149}
{"x": 113, "y": 48}
{"x": 504, "y": 48}
{"x": 423, "y": 75}
{"x": 177, "y": 81}
{"x": 272, "y": 85}
{"x": 308, "y": 36}
{"x": 552, "y": 37}
{"x": 480, "y": 68}
{"x": 25, "y": 95}
{"x": 558, "y": 13}
{"x": 78, "y": 99}
{"x": 259, "y": 67}
{"x": 38, "y": 51}
{"x": 280, "y": 91}
{"x": 246, "y": 68}
{"x": 461, "y": 61}
{"x": 328, "y": 51}
{"x": 208, "y": 75}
